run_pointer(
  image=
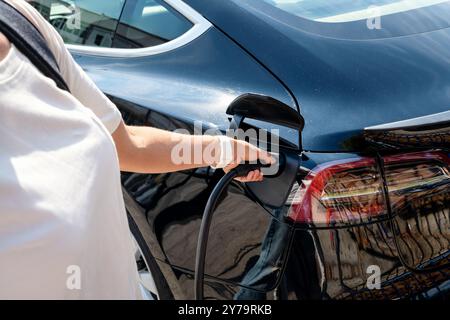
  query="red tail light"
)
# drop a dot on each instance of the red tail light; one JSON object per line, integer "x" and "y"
{"x": 351, "y": 191}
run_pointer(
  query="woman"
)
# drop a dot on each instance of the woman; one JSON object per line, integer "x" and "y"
{"x": 62, "y": 215}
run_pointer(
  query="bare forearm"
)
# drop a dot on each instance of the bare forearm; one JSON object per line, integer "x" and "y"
{"x": 150, "y": 150}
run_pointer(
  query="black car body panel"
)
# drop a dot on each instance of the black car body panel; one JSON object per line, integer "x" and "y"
{"x": 196, "y": 82}
{"x": 343, "y": 74}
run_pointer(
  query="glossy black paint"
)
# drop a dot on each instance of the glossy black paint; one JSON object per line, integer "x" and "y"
{"x": 344, "y": 76}
{"x": 340, "y": 81}
{"x": 196, "y": 82}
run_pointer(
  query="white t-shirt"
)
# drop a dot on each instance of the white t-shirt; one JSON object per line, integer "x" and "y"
{"x": 63, "y": 227}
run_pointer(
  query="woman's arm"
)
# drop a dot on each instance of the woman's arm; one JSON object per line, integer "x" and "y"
{"x": 151, "y": 150}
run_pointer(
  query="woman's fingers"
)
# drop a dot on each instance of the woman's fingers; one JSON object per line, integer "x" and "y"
{"x": 265, "y": 157}
{"x": 252, "y": 176}
{"x": 253, "y": 154}
{"x": 246, "y": 152}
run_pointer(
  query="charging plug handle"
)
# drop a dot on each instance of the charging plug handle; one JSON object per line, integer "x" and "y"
{"x": 244, "y": 169}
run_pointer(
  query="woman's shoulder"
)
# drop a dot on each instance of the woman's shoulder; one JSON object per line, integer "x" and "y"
{"x": 53, "y": 39}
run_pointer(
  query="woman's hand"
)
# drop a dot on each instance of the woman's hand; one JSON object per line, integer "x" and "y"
{"x": 243, "y": 151}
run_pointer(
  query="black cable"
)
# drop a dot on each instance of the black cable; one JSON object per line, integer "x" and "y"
{"x": 202, "y": 242}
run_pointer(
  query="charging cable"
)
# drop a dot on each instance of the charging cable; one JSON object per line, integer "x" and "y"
{"x": 202, "y": 244}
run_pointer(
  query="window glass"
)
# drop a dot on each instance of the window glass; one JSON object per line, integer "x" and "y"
{"x": 85, "y": 22}
{"x": 348, "y": 10}
{"x": 146, "y": 23}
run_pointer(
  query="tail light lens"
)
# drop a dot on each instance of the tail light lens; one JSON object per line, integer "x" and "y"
{"x": 351, "y": 191}
{"x": 339, "y": 192}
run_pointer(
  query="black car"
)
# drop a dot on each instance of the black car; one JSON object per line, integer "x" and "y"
{"x": 367, "y": 216}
